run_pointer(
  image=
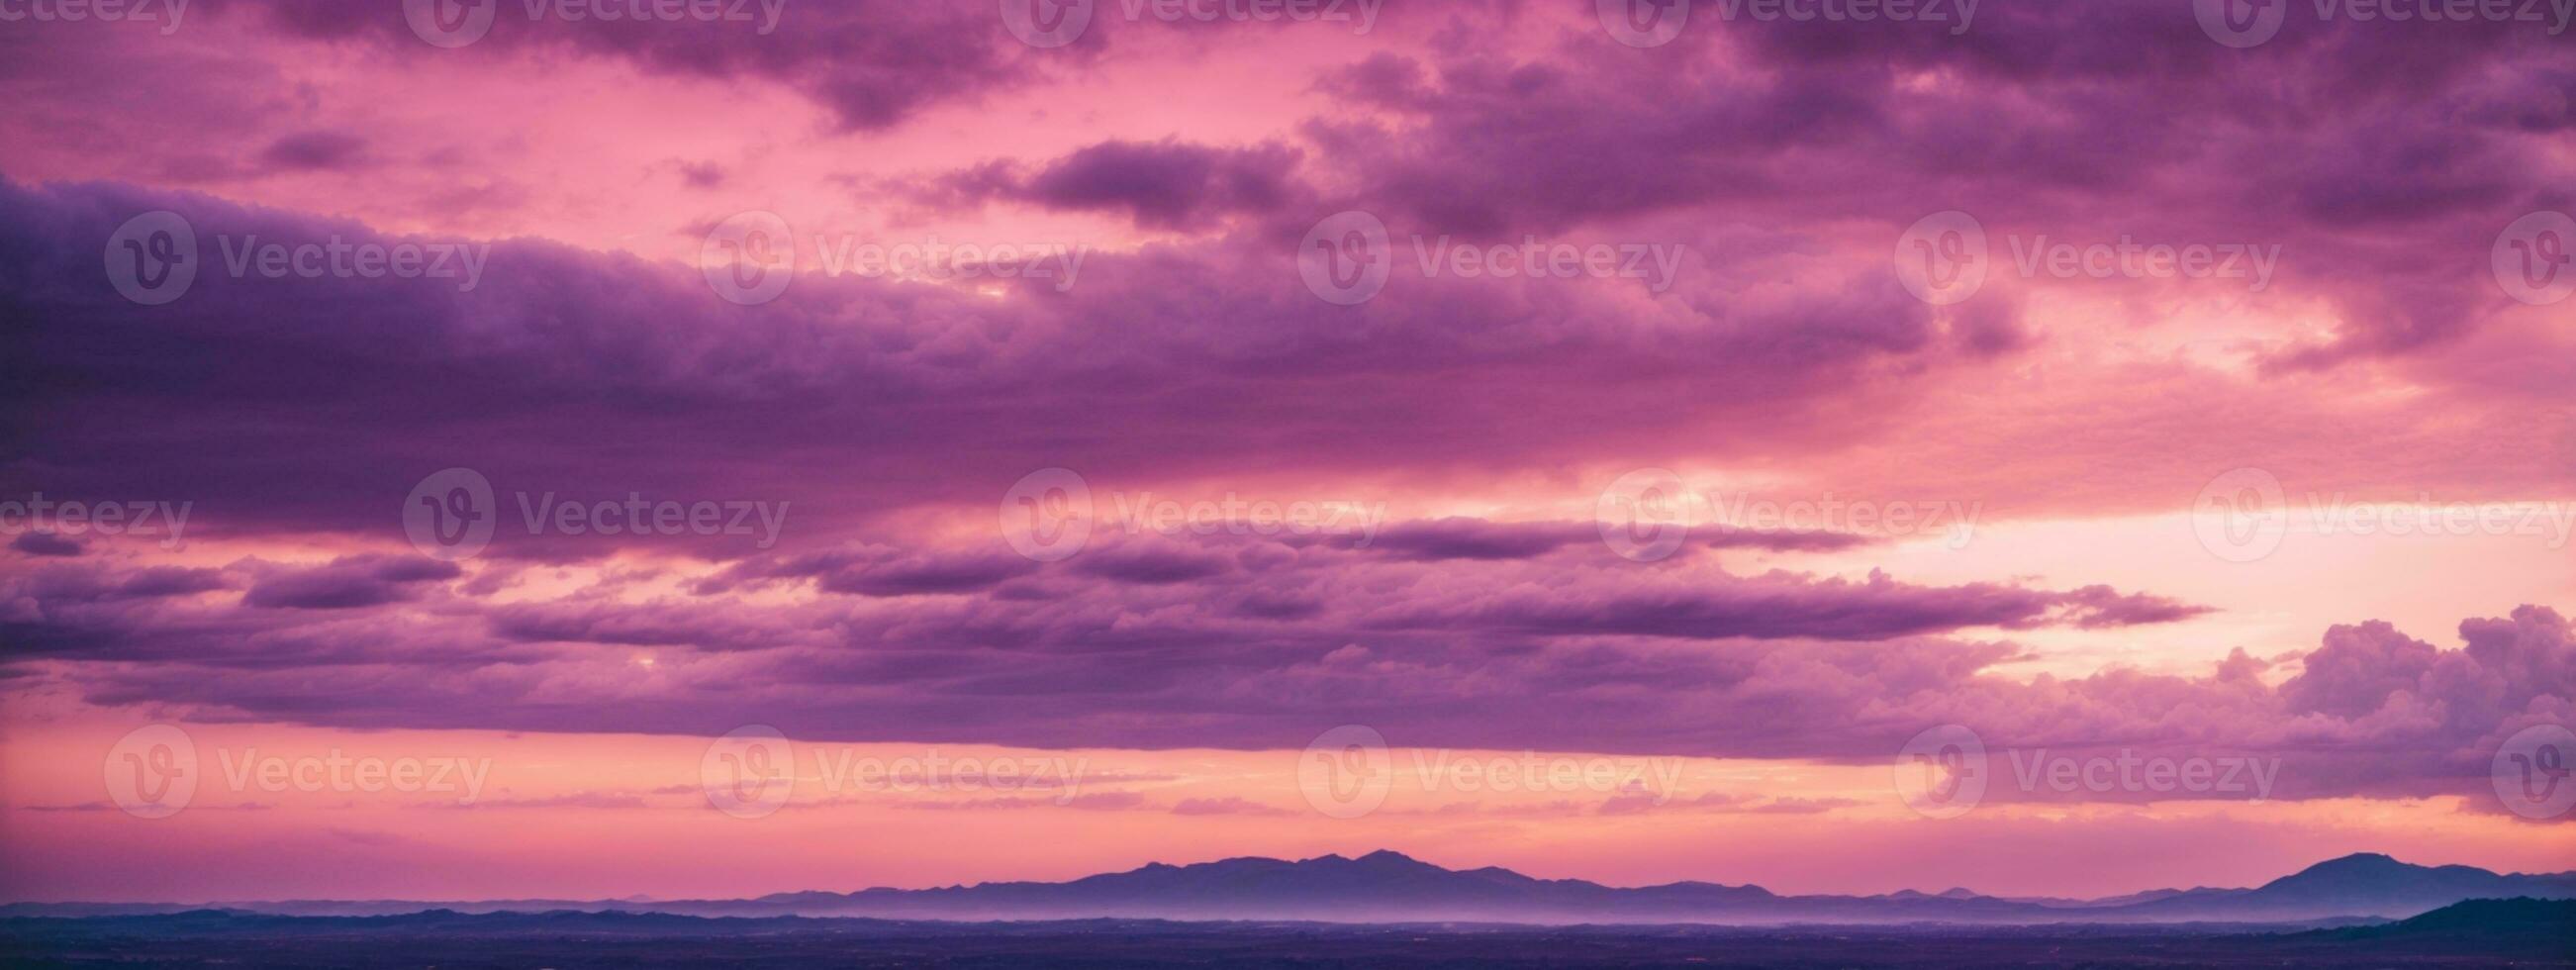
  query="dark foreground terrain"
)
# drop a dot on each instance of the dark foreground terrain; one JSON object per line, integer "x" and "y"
{"x": 2481, "y": 933}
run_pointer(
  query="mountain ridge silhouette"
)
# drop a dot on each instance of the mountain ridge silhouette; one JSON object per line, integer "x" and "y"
{"x": 1388, "y": 886}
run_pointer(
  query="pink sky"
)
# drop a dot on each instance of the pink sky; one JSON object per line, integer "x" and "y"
{"x": 1871, "y": 511}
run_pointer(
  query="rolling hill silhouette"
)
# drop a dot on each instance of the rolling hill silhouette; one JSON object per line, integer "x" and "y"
{"x": 1389, "y": 887}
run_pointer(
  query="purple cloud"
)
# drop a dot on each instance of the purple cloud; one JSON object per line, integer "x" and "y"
{"x": 45, "y": 544}
{"x": 348, "y": 583}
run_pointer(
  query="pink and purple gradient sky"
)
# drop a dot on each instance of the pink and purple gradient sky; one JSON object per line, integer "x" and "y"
{"x": 2055, "y": 438}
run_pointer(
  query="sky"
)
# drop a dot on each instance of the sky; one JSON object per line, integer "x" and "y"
{"x": 594, "y": 449}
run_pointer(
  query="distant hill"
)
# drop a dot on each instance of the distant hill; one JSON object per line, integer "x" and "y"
{"x": 2538, "y": 922}
{"x": 2364, "y": 884}
{"x": 1389, "y": 887}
